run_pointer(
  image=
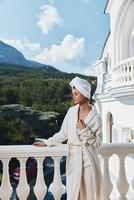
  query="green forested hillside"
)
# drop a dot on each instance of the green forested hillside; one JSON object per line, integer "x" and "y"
{"x": 39, "y": 89}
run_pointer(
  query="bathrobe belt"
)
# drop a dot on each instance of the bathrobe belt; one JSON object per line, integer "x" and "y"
{"x": 82, "y": 145}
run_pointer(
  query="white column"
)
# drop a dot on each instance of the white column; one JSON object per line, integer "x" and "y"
{"x": 40, "y": 188}
{"x": 5, "y": 189}
{"x": 122, "y": 183}
{"x": 23, "y": 187}
{"x": 108, "y": 186}
{"x": 57, "y": 188}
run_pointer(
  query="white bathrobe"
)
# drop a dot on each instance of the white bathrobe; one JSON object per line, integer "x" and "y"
{"x": 82, "y": 153}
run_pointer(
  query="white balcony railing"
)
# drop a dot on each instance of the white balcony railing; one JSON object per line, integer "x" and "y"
{"x": 106, "y": 153}
{"x": 123, "y": 73}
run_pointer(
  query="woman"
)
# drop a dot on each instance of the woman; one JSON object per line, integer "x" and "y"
{"x": 82, "y": 128}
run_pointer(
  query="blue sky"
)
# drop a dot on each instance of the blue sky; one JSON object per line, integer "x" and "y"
{"x": 68, "y": 34}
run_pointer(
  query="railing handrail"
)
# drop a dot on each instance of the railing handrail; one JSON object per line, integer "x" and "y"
{"x": 60, "y": 150}
{"x": 116, "y": 148}
{"x": 31, "y": 151}
{"x": 124, "y": 61}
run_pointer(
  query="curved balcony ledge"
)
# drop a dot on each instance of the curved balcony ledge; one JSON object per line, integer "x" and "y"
{"x": 123, "y": 73}
{"x": 124, "y": 91}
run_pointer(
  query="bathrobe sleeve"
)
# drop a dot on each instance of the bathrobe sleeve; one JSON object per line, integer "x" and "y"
{"x": 60, "y": 136}
{"x": 93, "y": 134}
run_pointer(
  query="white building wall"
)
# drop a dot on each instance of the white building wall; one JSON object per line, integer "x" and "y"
{"x": 115, "y": 72}
{"x": 123, "y": 117}
{"x": 121, "y": 28}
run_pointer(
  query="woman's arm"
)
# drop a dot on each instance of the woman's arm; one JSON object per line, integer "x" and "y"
{"x": 58, "y": 137}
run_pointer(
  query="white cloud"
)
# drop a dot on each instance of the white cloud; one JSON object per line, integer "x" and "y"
{"x": 48, "y": 18}
{"x": 27, "y": 47}
{"x": 22, "y": 44}
{"x": 90, "y": 70}
{"x": 69, "y": 52}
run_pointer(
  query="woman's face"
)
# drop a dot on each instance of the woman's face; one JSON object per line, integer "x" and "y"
{"x": 78, "y": 98}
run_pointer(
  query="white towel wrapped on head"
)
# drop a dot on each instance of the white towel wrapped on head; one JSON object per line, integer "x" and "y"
{"x": 82, "y": 85}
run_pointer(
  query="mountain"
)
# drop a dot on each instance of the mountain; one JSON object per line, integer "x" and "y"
{"x": 11, "y": 55}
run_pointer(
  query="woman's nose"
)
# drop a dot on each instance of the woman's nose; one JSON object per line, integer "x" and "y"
{"x": 73, "y": 95}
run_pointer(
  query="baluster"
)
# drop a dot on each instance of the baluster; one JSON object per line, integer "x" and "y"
{"x": 117, "y": 70}
{"x": 132, "y": 69}
{"x": 120, "y": 75}
{"x": 106, "y": 176}
{"x": 118, "y": 79}
{"x": 5, "y": 189}
{"x": 122, "y": 183}
{"x": 23, "y": 187}
{"x": 127, "y": 66}
{"x": 127, "y": 77}
{"x": 128, "y": 72}
{"x": 115, "y": 76}
{"x": 123, "y": 73}
{"x": 40, "y": 188}
{"x": 57, "y": 188}
{"x": 132, "y": 183}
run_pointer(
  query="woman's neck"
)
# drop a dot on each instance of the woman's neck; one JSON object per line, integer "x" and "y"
{"x": 85, "y": 107}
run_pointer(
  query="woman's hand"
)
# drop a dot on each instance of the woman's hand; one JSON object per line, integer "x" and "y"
{"x": 39, "y": 144}
{"x": 81, "y": 124}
